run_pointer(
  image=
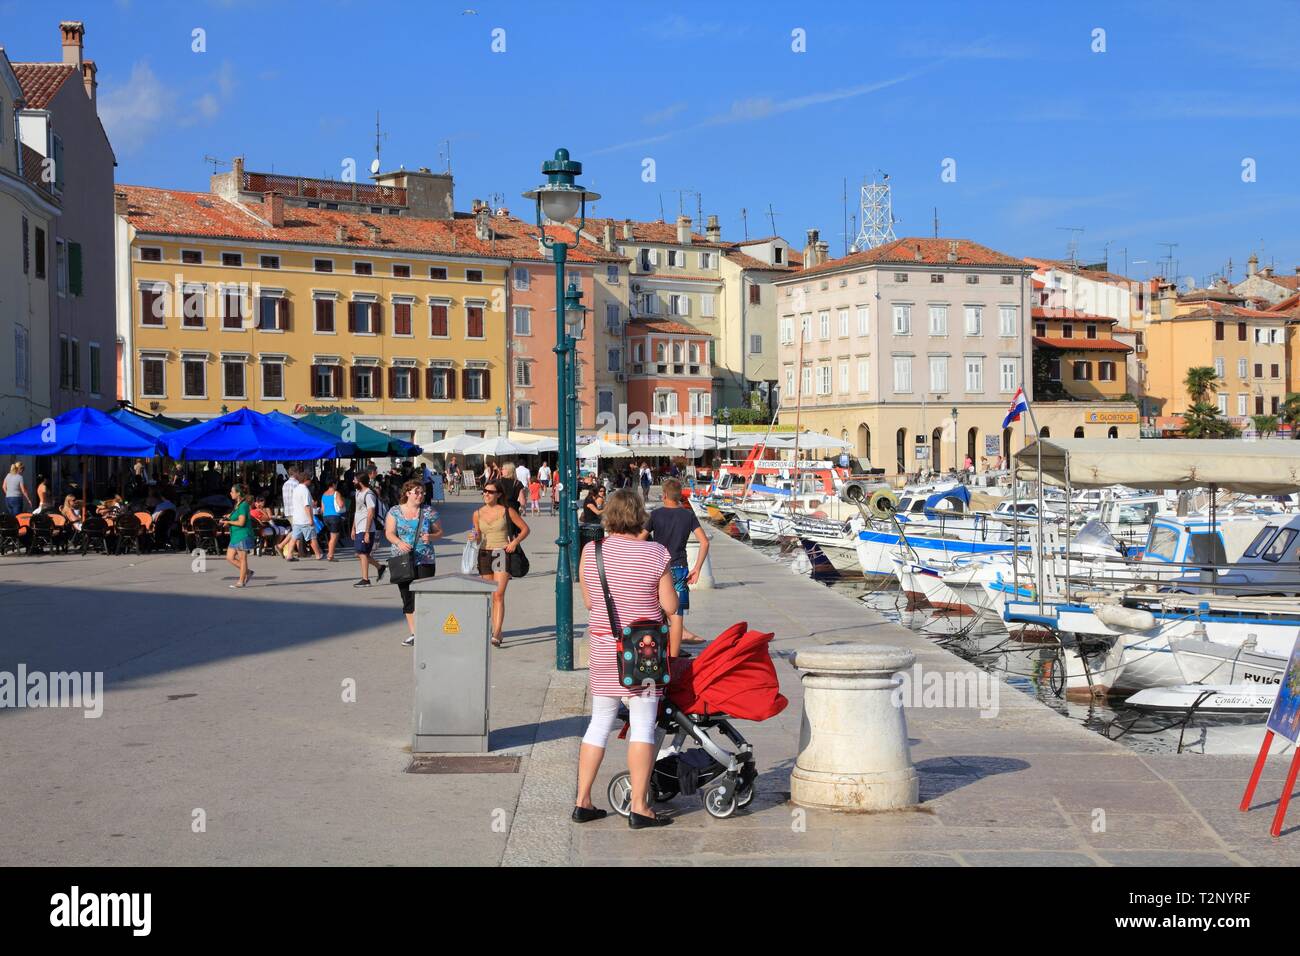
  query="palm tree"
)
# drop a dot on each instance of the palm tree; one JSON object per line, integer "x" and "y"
{"x": 1289, "y": 413}
{"x": 1201, "y": 380}
{"x": 1202, "y": 421}
{"x": 1265, "y": 425}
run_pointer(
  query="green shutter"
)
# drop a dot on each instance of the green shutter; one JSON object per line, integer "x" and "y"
{"x": 74, "y": 268}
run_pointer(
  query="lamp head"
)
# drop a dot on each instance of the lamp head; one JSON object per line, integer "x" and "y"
{"x": 575, "y": 313}
{"x": 560, "y": 199}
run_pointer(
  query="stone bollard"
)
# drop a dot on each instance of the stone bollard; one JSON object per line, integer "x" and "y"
{"x": 705, "y": 582}
{"x": 853, "y": 752}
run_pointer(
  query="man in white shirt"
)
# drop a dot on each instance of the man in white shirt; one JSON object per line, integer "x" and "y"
{"x": 286, "y": 504}
{"x": 544, "y": 476}
{"x": 523, "y": 476}
{"x": 302, "y": 518}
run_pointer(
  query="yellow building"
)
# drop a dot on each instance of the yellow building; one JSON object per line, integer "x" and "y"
{"x": 1075, "y": 357}
{"x": 345, "y": 302}
{"x": 1214, "y": 328}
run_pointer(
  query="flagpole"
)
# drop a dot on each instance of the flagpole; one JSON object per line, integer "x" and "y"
{"x": 1038, "y": 447}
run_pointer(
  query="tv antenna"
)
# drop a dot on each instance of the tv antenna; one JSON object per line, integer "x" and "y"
{"x": 216, "y": 163}
{"x": 444, "y": 154}
{"x": 1073, "y": 247}
{"x": 744, "y": 221}
{"x": 1168, "y": 264}
{"x": 379, "y": 138}
{"x": 771, "y": 217}
{"x": 877, "y": 213}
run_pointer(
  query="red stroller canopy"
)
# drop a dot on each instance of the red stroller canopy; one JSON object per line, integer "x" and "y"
{"x": 733, "y": 675}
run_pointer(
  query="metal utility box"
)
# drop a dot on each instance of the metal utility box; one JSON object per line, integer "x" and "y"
{"x": 453, "y": 620}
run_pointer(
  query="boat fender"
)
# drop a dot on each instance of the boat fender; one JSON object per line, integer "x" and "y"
{"x": 1125, "y": 618}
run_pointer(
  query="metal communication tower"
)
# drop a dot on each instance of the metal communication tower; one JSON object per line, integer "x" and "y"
{"x": 877, "y": 215}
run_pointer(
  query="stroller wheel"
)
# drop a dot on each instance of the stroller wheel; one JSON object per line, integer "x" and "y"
{"x": 720, "y": 802}
{"x": 620, "y": 794}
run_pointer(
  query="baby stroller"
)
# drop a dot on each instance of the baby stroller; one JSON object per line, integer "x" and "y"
{"x": 732, "y": 679}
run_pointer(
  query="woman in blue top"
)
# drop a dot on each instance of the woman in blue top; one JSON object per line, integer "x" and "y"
{"x": 334, "y": 513}
{"x": 412, "y": 524}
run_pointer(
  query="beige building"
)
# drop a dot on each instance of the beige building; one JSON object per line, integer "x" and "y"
{"x": 28, "y": 210}
{"x": 882, "y": 347}
{"x": 1267, "y": 285}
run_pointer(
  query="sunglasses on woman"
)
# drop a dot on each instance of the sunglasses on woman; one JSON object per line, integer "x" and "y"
{"x": 491, "y": 491}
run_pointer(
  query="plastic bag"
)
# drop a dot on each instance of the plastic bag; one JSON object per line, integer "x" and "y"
{"x": 469, "y": 558}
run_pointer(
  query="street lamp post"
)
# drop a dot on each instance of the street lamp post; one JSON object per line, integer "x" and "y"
{"x": 498, "y": 421}
{"x": 954, "y": 438}
{"x": 559, "y": 200}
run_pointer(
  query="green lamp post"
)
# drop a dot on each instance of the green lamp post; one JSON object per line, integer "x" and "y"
{"x": 559, "y": 200}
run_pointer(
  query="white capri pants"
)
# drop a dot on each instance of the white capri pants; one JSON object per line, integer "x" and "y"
{"x": 604, "y": 713}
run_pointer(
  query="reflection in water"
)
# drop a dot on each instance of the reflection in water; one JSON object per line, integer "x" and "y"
{"x": 1030, "y": 668}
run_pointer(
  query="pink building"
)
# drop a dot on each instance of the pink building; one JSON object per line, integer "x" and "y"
{"x": 669, "y": 375}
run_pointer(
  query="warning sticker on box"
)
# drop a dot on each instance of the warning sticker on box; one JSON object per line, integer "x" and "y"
{"x": 451, "y": 625}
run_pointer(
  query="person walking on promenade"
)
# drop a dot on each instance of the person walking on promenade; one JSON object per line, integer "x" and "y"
{"x": 363, "y": 530}
{"x": 453, "y": 475}
{"x": 646, "y": 480}
{"x": 240, "y": 523}
{"x": 289, "y": 549}
{"x": 641, "y": 587}
{"x": 413, "y": 525}
{"x": 672, "y": 525}
{"x": 334, "y": 513}
{"x": 302, "y": 516}
{"x": 436, "y": 487}
{"x": 16, "y": 495}
{"x": 492, "y": 529}
{"x": 535, "y": 497}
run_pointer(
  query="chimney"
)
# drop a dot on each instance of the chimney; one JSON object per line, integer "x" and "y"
{"x": 88, "y": 71}
{"x": 810, "y": 249}
{"x": 609, "y": 237}
{"x": 373, "y": 230}
{"x": 952, "y": 250}
{"x": 917, "y": 255}
{"x": 237, "y": 167}
{"x": 823, "y": 251}
{"x": 502, "y": 212}
{"x": 713, "y": 232}
{"x": 1267, "y": 272}
{"x": 340, "y": 233}
{"x": 1252, "y": 264}
{"x": 683, "y": 230}
{"x": 627, "y": 228}
{"x": 273, "y": 208}
{"x": 482, "y": 226}
{"x": 119, "y": 203}
{"x": 72, "y": 32}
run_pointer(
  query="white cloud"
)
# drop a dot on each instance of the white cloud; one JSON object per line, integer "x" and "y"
{"x": 663, "y": 115}
{"x": 207, "y": 106}
{"x": 134, "y": 111}
{"x": 762, "y": 107}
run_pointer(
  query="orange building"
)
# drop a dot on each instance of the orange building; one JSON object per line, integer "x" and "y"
{"x": 669, "y": 374}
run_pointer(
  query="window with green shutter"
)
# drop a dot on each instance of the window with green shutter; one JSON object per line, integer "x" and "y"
{"x": 74, "y": 268}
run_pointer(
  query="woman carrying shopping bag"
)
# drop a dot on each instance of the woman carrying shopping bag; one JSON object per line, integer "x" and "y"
{"x": 411, "y": 528}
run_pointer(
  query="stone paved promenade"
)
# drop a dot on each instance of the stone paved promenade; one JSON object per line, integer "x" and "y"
{"x": 232, "y": 703}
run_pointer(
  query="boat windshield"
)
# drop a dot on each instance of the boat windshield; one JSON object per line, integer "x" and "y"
{"x": 1094, "y": 534}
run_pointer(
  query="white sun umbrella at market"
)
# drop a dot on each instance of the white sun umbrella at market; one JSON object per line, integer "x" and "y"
{"x": 544, "y": 444}
{"x": 599, "y": 448}
{"x": 496, "y": 447}
{"x": 456, "y": 444}
{"x": 814, "y": 440}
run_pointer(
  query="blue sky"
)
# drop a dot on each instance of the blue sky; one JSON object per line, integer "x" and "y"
{"x": 1138, "y": 145}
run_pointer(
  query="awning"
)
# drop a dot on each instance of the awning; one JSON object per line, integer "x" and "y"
{"x": 1257, "y": 468}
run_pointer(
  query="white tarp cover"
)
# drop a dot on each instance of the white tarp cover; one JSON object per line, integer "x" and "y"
{"x": 1249, "y": 467}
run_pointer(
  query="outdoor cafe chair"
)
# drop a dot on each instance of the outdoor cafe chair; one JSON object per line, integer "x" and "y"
{"x": 11, "y": 533}
{"x": 40, "y": 530}
{"x": 129, "y": 529}
{"x": 94, "y": 534}
{"x": 205, "y": 532}
{"x": 61, "y": 529}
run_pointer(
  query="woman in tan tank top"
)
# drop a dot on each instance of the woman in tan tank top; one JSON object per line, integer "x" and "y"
{"x": 492, "y": 530}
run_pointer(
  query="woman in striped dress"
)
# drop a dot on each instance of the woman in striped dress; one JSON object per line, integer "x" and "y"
{"x": 642, "y": 587}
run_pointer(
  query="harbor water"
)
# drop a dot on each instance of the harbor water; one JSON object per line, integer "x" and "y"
{"x": 1031, "y": 667}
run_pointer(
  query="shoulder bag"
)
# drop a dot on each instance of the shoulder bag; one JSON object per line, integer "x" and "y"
{"x": 642, "y": 646}
{"x": 516, "y": 561}
{"x": 401, "y": 567}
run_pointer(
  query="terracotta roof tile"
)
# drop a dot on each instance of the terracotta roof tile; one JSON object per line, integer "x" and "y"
{"x": 933, "y": 252}
{"x": 1082, "y": 345}
{"x": 1286, "y": 305}
{"x": 1064, "y": 265}
{"x": 180, "y": 213}
{"x": 1040, "y": 312}
{"x": 663, "y": 325}
{"x": 40, "y": 81}
{"x": 32, "y": 161}
{"x": 659, "y": 232}
{"x": 1214, "y": 310}
{"x": 746, "y": 261}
